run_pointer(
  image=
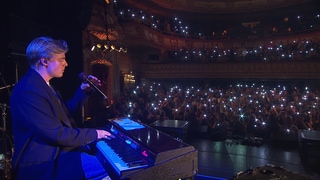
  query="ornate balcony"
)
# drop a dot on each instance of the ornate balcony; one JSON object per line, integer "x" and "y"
{"x": 244, "y": 70}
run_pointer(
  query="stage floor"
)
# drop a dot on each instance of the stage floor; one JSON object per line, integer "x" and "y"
{"x": 224, "y": 159}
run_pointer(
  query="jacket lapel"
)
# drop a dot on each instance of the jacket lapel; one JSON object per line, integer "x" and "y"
{"x": 58, "y": 103}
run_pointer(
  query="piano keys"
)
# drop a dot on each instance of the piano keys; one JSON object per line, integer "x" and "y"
{"x": 139, "y": 151}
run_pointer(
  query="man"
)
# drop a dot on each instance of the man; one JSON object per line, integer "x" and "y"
{"x": 47, "y": 143}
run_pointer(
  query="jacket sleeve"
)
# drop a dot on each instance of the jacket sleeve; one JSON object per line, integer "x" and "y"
{"x": 76, "y": 102}
{"x": 41, "y": 115}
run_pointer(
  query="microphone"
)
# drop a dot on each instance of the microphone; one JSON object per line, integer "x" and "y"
{"x": 85, "y": 79}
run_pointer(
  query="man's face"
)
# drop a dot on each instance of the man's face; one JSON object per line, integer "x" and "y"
{"x": 57, "y": 65}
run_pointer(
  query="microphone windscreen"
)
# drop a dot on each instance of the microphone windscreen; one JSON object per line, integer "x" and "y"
{"x": 82, "y": 76}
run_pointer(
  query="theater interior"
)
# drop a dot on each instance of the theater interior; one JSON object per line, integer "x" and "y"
{"x": 248, "y": 58}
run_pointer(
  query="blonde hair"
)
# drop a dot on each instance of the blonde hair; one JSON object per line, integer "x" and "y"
{"x": 44, "y": 47}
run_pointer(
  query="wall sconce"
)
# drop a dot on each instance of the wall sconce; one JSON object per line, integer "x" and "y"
{"x": 108, "y": 47}
{"x": 129, "y": 78}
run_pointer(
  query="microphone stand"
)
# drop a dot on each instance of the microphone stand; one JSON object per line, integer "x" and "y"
{"x": 5, "y": 85}
{"x": 6, "y": 160}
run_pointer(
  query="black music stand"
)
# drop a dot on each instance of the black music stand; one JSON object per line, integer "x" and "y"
{"x": 175, "y": 128}
{"x": 309, "y": 138}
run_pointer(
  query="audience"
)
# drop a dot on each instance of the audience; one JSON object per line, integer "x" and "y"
{"x": 268, "y": 51}
{"x": 271, "y": 51}
{"x": 291, "y": 24}
{"x": 240, "y": 110}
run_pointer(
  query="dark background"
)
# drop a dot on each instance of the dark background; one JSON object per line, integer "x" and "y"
{"x": 24, "y": 20}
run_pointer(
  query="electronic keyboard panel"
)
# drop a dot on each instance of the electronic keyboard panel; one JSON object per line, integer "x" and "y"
{"x": 139, "y": 151}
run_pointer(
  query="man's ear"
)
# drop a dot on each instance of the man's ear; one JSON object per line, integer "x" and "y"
{"x": 43, "y": 61}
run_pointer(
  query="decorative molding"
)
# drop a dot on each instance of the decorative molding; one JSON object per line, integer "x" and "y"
{"x": 137, "y": 34}
{"x": 222, "y": 6}
{"x": 250, "y": 70}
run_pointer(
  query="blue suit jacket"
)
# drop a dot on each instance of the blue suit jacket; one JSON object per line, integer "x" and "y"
{"x": 44, "y": 134}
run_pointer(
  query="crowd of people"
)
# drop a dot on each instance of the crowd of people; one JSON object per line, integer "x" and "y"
{"x": 270, "y": 51}
{"x": 295, "y": 49}
{"x": 242, "y": 110}
{"x": 300, "y": 22}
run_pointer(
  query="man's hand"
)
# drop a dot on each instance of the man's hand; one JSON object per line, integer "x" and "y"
{"x": 86, "y": 86}
{"x": 102, "y": 134}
